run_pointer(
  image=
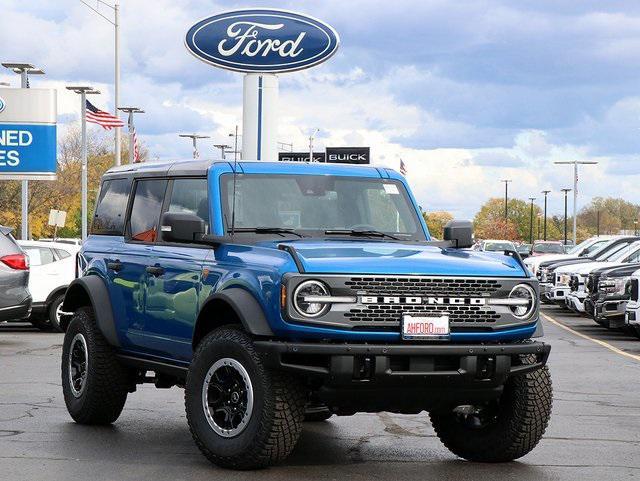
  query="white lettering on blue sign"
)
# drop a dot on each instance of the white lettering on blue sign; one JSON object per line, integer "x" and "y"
{"x": 15, "y": 138}
{"x": 254, "y": 46}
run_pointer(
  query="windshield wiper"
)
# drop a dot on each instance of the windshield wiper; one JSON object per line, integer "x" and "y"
{"x": 267, "y": 230}
{"x": 360, "y": 233}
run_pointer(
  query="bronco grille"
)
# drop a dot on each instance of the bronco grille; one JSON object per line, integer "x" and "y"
{"x": 391, "y": 314}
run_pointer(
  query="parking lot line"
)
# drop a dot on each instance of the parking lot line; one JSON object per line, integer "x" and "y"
{"x": 584, "y": 336}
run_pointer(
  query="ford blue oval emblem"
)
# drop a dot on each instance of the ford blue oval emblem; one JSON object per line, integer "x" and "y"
{"x": 3, "y": 104}
{"x": 262, "y": 40}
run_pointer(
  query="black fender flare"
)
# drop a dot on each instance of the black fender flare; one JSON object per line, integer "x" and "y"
{"x": 55, "y": 293}
{"x": 91, "y": 290}
{"x": 246, "y": 307}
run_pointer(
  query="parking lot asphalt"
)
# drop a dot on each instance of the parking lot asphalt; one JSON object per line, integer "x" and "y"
{"x": 594, "y": 432}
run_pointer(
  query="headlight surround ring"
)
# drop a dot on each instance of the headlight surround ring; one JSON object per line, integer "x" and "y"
{"x": 524, "y": 291}
{"x": 310, "y": 287}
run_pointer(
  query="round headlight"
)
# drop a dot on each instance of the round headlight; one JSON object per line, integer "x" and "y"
{"x": 310, "y": 289}
{"x": 523, "y": 292}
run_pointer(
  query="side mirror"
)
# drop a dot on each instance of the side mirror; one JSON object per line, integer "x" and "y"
{"x": 459, "y": 232}
{"x": 182, "y": 227}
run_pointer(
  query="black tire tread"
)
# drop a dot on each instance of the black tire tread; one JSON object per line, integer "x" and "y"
{"x": 520, "y": 433}
{"x": 107, "y": 381}
{"x": 281, "y": 429}
{"x": 51, "y": 313}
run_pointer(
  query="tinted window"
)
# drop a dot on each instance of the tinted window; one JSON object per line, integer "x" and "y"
{"x": 39, "y": 256}
{"x": 145, "y": 212}
{"x": 111, "y": 207}
{"x": 190, "y": 196}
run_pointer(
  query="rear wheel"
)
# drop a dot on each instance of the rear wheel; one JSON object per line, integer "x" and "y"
{"x": 241, "y": 414}
{"x": 54, "y": 312}
{"x": 94, "y": 383}
{"x": 501, "y": 430}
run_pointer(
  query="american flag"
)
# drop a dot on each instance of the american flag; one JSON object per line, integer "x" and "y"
{"x": 403, "y": 168}
{"x": 104, "y": 119}
{"x": 136, "y": 150}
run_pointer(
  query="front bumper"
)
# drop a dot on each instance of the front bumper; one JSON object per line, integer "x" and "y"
{"x": 575, "y": 302}
{"x": 632, "y": 314}
{"x": 611, "y": 313}
{"x": 558, "y": 294}
{"x": 447, "y": 364}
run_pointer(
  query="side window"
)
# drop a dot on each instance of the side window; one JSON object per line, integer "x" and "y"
{"x": 46, "y": 256}
{"x": 62, "y": 254}
{"x": 190, "y": 196}
{"x": 145, "y": 212}
{"x": 635, "y": 257}
{"x": 111, "y": 207}
{"x": 39, "y": 256}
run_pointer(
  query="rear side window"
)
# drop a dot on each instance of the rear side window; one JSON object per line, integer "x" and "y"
{"x": 145, "y": 212}
{"x": 62, "y": 254}
{"x": 111, "y": 207}
{"x": 190, "y": 196}
{"x": 39, "y": 256}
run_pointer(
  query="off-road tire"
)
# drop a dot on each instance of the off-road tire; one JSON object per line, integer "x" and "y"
{"x": 51, "y": 313}
{"x": 523, "y": 415}
{"x": 107, "y": 381}
{"x": 274, "y": 426}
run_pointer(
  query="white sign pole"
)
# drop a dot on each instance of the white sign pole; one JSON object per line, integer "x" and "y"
{"x": 116, "y": 24}
{"x": 24, "y": 231}
{"x": 260, "y": 117}
{"x": 83, "y": 116}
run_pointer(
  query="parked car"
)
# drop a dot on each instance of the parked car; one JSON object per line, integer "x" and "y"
{"x": 540, "y": 248}
{"x": 52, "y": 270}
{"x": 15, "y": 300}
{"x": 632, "y": 314}
{"x": 524, "y": 250}
{"x": 65, "y": 240}
{"x": 585, "y": 248}
{"x": 272, "y": 291}
{"x": 492, "y": 245}
{"x": 609, "y": 294}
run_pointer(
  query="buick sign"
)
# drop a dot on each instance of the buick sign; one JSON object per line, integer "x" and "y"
{"x": 262, "y": 40}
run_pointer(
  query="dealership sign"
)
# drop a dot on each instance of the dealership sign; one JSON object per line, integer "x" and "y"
{"x": 333, "y": 155}
{"x": 262, "y": 40}
{"x": 28, "y": 134}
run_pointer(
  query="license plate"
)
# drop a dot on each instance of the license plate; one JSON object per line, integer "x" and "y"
{"x": 425, "y": 327}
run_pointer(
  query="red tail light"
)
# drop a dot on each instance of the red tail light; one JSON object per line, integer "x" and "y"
{"x": 18, "y": 262}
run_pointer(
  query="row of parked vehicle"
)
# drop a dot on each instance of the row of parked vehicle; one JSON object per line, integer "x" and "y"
{"x": 537, "y": 248}
{"x": 598, "y": 278}
{"x": 34, "y": 276}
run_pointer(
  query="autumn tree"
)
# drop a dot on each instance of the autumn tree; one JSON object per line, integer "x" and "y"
{"x": 436, "y": 222}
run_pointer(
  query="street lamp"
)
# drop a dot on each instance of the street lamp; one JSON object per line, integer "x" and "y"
{"x": 222, "y": 148}
{"x": 575, "y": 187}
{"x": 194, "y": 139}
{"x": 235, "y": 136}
{"x": 132, "y": 130}
{"x": 24, "y": 70}
{"x": 83, "y": 91}
{"x": 545, "y": 192}
{"x": 566, "y": 191}
{"x": 311, "y": 137}
{"x": 531, "y": 221}
{"x": 506, "y": 197}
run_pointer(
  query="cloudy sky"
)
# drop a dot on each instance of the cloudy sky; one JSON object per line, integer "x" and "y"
{"x": 467, "y": 92}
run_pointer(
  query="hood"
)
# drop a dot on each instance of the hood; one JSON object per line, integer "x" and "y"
{"x": 584, "y": 268}
{"x": 377, "y": 257}
{"x": 536, "y": 260}
{"x": 619, "y": 271}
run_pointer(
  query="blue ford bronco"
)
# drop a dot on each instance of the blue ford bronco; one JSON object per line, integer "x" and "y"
{"x": 276, "y": 293}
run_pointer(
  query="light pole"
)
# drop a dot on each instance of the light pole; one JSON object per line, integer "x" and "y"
{"x": 545, "y": 192}
{"x": 116, "y": 26}
{"x": 538, "y": 215}
{"x": 194, "y": 139}
{"x": 566, "y": 191}
{"x": 575, "y": 187}
{"x": 235, "y": 143}
{"x": 506, "y": 198}
{"x": 311, "y": 137}
{"x": 132, "y": 130}
{"x": 223, "y": 148}
{"x": 24, "y": 70}
{"x": 635, "y": 227}
{"x": 282, "y": 145}
{"x": 531, "y": 221}
{"x": 84, "y": 91}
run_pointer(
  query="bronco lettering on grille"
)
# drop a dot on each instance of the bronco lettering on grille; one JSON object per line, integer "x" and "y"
{"x": 413, "y": 300}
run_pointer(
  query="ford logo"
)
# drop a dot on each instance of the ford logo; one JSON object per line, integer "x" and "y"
{"x": 262, "y": 40}
{"x": 3, "y": 104}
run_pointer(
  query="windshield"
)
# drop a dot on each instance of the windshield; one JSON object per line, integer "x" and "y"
{"x": 605, "y": 250}
{"x": 618, "y": 251}
{"x": 314, "y": 204}
{"x": 585, "y": 243}
{"x": 498, "y": 246}
{"x": 548, "y": 249}
{"x": 627, "y": 250}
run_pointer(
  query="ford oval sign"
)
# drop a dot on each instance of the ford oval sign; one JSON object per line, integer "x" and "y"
{"x": 2, "y": 104}
{"x": 262, "y": 40}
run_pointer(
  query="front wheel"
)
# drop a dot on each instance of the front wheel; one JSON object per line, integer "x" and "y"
{"x": 54, "y": 312}
{"x": 501, "y": 430}
{"x": 241, "y": 414}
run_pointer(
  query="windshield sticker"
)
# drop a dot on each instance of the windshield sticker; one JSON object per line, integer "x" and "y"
{"x": 391, "y": 189}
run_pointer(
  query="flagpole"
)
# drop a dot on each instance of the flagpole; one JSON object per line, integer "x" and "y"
{"x": 132, "y": 130}
{"x": 83, "y": 91}
{"x": 116, "y": 23}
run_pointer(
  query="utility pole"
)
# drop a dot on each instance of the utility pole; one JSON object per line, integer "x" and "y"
{"x": 222, "y": 148}
{"x": 531, "y": 221}
{"x": 24, "y": 70}
{"x": 566, "y": 191}
{"x": 84, "y": 91}
{"x": 506, "y": 198}
{"x": 116, "y": 26}
{"x": 575, "y": 188}
{"x": 132, "y": 130}
{"x": 545, "y": 192}
{"x": 194, "y": 139}
{"x": 235, "y": 143}
{"x": 311, "y": 137}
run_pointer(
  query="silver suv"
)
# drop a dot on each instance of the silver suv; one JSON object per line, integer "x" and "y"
{"x": 15, "y": 300}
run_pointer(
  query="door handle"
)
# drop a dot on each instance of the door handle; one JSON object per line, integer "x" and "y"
{"x": 114, "y": 266}
{"x": 155, "y": 270}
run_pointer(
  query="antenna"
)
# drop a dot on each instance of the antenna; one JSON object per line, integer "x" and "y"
{"x": 235, "y": 174}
